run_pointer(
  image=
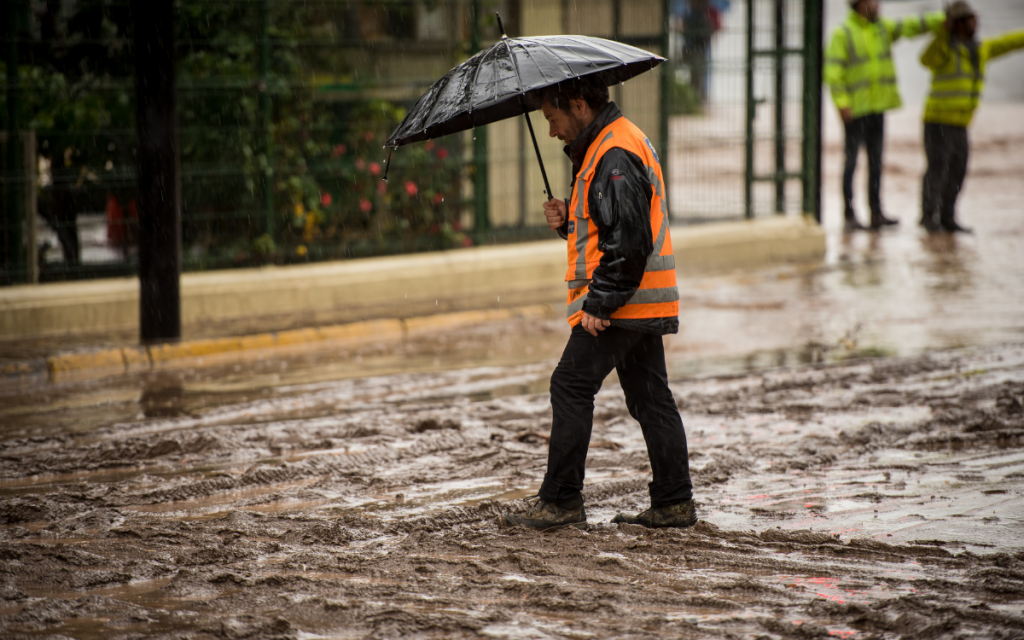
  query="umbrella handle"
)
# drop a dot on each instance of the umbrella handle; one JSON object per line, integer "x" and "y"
{"x": 536, "y": 148}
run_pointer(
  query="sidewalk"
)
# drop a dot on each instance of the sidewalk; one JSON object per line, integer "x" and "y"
{"x": 70, "y": 328}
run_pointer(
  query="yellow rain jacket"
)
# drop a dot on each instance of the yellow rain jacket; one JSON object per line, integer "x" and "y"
{"x": 956, "y": 83}
{"x": 858, "y": 62}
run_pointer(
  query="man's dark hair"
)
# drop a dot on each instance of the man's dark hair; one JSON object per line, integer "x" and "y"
{"x": 589, "y": 88}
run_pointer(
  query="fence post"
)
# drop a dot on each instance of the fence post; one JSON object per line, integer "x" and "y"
{"x": 31, "y": 206}
{"x": 812, "y": 81}
{"x": 156, "y": 121}
{"x": 748, "y": 210}
{"x": 267, "y": 118}
{"x": 481, "y": 214}
{"x": 780, "y": 106}
{"x": 663, "y": 120}
{"x": 14, "y": 249}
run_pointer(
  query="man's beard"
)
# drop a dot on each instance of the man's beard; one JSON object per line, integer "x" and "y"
{"x": 576, "y": 128}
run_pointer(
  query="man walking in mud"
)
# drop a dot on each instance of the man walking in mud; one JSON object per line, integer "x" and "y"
{"x": 622, "y": 299}
{"x": 860, "y": 72}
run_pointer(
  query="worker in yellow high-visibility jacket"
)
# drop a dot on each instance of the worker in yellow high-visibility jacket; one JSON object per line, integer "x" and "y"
{"x": 957, "y": 61}
{"x": 860, "y": 72}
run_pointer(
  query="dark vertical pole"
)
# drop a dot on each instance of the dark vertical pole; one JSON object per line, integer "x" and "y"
{"x": 617, "y": 35}
{"x": 156, "y": 121}
{"x": 811, "y": 120}
{"x": 663, "y": 104}
{"x": 780, "y": 106}
{"x": 481, "y": 217}
{"x": 748, "y": 210}
{"x": 267, "y": 114}
{"x": 14, "y": 191}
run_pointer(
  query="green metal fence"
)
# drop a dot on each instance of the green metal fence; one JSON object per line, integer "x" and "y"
{"x": 746, "y": 109}
{"x": 284, "y": 105}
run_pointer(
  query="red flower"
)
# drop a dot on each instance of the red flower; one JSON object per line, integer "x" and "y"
{"x": 429, "y": 145}
{"x": 434, "y": 228}
{"x": 325, "y": 199}
{"x": 442, "y": 153}
{"x": 339, "y": 150}
{"x": 467, "y": 242}
{"x": 457, "y": 225}
{"x": 438, "y": 198}
{"x": 375, "y": 168}
{"x": 382, "y": 187}
{"x": 369, "y": 136}
{"x": 410, "y": 188}
{"x": 360, "y": 164}
{"x": 365, "y": 205}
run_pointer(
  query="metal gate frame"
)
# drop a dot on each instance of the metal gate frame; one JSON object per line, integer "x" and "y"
{"x": 810, "y": 161}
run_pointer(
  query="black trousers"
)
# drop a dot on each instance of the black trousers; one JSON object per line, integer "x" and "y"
{"x": 946, "y": 147}
{"x": 868, "y": 130}
{"x": 639, "y": 359}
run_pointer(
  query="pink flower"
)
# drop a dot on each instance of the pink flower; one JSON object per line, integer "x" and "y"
{"x": 339, "y": 150}
{"x": 442, "y": 153}
{"x": 410, "y": 188}
{"x": 365, "y": 205}
{"x": 360, "y": 164}
{"x": 375, "y": 168}
{"x": 382, "y": 188}
{"x": 438, "y": 198}
{"x": 325, "y": 199}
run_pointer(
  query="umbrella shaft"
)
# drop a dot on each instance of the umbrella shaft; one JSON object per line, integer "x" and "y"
{"x": 536, "y": 148}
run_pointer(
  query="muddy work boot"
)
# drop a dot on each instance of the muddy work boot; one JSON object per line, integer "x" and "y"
{"x": 547, "y": 515}
{"x": 679, "y": 516}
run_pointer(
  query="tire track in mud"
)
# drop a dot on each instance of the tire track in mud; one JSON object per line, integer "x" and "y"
{"x": 363, "y": 463}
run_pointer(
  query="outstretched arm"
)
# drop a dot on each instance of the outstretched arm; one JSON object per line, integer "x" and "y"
{"x": 1004, "y": 43}
{"x": 913, "y": 26}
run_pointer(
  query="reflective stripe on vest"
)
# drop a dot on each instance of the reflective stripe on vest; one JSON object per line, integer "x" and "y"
{"x": 657, "y": 296}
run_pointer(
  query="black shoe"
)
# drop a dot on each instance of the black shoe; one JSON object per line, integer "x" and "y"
{"x": 954, "y": 227}
{"x": 852, "y": 224}
{"x": 878, "y": 221}
{"x": 680, "y": 516}
{"x": 546, "y": 515}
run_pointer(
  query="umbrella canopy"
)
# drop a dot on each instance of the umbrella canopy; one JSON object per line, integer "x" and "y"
{"x": 491, "y": 85}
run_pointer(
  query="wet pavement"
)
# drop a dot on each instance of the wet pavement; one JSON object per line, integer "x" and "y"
{"x": 856, "y": 434}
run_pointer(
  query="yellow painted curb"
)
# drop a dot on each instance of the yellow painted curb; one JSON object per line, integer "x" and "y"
{"x": 138, "y": 359}
{"x": 104, "y": 359}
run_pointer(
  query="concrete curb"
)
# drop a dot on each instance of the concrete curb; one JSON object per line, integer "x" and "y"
{"x": 250, "y": 301}
{"x": 117, "y": 360}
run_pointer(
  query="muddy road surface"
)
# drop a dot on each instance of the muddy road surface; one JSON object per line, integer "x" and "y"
{"x": 868, "y": 499}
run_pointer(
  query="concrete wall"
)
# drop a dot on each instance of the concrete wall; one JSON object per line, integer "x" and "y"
{"x": 278, "y": 298}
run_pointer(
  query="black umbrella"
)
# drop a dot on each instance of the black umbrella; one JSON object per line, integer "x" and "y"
{"x": 492, "y": 85}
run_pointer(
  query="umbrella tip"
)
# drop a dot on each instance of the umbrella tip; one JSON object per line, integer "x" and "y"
{"x": 501, "y": 27}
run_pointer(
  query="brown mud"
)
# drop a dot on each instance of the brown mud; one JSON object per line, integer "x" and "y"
{"x": 867, "y": 499}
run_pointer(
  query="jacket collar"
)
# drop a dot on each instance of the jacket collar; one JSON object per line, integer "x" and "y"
{"x": 577, "y": 151}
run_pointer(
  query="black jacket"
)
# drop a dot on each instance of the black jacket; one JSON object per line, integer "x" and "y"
{"x": 620, "y": 208}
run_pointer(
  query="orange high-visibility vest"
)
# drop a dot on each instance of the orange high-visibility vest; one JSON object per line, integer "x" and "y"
{"x": 657, "y": 296}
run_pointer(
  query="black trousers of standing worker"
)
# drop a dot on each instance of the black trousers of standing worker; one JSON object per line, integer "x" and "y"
{"x": 946, "y": 147}
{"x": 639, "y": 359}
{"x": 868, "y": 130}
